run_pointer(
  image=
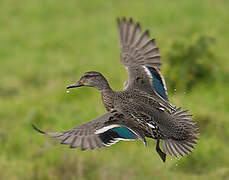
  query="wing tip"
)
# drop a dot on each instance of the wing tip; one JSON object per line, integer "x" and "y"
{"x": 38, "y": 130}
{"x": 118, "y": 20}
{"x": 176, "y": 148}
{"x": 147, "y": 33}
{"x": 131, "y": 21}
{"x": 121, "y": 20}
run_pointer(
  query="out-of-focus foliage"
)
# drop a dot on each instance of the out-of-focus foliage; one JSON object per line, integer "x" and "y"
{"x": 190, "y": 62}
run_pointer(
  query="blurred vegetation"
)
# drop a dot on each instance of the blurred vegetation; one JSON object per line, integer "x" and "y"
{"x": 46, "y": 45}
{"x": 189, "y": 63}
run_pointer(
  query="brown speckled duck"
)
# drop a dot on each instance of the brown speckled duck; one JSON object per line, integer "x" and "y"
{"x": 141, "y": 110}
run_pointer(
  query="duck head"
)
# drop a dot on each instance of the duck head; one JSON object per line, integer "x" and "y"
{"x": 91, "y": 79}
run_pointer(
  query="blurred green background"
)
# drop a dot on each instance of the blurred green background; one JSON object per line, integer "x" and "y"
{"x": 46, "y": 45}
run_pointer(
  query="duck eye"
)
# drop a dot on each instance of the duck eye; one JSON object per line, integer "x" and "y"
{"x": 86, "y": 76}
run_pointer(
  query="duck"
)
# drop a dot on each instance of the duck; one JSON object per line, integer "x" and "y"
{"x": 141, "y": 110}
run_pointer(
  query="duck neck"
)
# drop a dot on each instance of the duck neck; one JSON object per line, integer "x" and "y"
{"x": 107, "y": 97}
{"x": 103, "y": 85}
{"x": 106, "y": 89}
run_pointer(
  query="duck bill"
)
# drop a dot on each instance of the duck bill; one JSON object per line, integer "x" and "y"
{"x": 77, "y": 84}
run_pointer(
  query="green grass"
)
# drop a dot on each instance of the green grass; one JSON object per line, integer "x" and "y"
{"x": 45, "y": 45}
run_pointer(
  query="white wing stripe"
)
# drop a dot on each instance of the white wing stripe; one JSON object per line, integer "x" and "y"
{"x": 148, "y": 72}
{"x": 106, "y": 128}
{"x": 150, "y": 125}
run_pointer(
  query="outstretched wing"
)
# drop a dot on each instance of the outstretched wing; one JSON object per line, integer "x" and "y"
{"x": 103, "y": 131}
{"x": 141, "y": 57}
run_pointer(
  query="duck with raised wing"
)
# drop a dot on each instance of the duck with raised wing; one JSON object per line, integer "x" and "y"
{"x": 141, "y": 110}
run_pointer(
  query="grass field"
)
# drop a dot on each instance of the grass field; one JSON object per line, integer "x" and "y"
{"x": 46, "y": 45}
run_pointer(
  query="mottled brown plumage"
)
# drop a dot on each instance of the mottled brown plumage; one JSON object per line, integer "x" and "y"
{"x": 141, "y": 110}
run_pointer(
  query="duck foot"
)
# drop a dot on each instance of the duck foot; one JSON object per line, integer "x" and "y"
{"x": 160, "y": 152}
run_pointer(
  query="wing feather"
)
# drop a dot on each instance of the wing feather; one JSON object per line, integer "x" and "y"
{"x": 96, "y": 133}
{"x": 137, "y": 52}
